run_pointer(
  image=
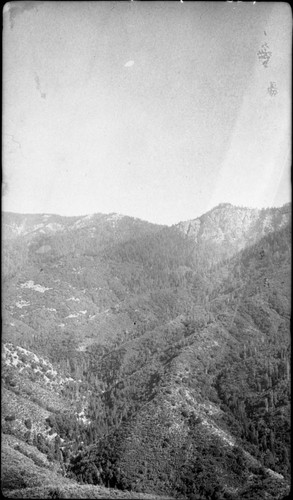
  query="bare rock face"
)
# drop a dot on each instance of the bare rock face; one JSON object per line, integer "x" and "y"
{"x": 235, "y": 227}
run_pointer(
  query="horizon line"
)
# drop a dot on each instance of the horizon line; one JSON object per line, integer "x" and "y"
{"x": 222, "y": 204}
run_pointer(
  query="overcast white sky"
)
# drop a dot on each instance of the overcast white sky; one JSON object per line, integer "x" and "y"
{"x": 158, "y": 110}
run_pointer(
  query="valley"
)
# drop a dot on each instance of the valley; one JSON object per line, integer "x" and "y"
{"x": 147, "y": 361}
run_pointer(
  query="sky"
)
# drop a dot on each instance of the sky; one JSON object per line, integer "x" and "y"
{"x": 157, "y": 110}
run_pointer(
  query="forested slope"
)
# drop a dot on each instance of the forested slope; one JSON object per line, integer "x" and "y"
{"x": 169, "y": 355}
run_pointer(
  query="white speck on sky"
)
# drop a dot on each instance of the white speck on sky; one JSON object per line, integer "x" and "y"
{"x": 191, "y": 125}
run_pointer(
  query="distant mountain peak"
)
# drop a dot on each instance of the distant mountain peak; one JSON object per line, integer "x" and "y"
{"x": 231, "y": 228}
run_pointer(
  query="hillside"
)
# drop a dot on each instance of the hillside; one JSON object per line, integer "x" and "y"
{"x": 149, "y": 359}
{"x": 39, "y": 405}
{"x": 227, "y": 229}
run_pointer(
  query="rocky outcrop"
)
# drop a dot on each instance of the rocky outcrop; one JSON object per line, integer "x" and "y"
{"x": 235, "y": 227}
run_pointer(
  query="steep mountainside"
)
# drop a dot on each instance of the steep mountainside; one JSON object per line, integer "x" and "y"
{"x": 146, "y": 358}
{"x": 226, "y": 229}
{"x": 39, "y": 405}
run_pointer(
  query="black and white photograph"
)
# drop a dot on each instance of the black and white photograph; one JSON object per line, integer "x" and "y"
{"x": 146, "y": 250}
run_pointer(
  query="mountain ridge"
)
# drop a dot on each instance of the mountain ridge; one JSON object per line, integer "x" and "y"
{"x": 75, "y": 218}
{"x": 153, "y": 329}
